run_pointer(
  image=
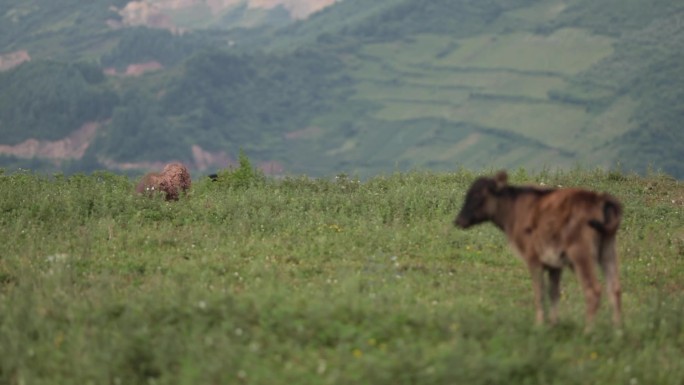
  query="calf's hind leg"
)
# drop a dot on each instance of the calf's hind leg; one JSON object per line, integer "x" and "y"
{"x": 554, "y": 291}
{"x": 583, "y": 259}
{"x": 609, "y": 265}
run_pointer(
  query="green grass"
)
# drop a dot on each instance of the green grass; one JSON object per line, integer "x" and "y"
{"x": 552, "y": 124}
{"x": 496, "y": 82}
{"x": 396, "y": 110}
{"x": 566, "y": 51}
{"x": 543, "y": 11}
{"x": 422, "y": 48}
{"x": 314, "y": 281}
{"x": 409, "y": 92}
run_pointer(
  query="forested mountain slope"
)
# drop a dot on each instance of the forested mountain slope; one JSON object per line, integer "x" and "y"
{"x": 359, "y": 87}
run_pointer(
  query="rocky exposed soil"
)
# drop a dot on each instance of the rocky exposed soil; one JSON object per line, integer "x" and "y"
{"x": 135, "y": 69}
{"x": 71, "y": 147}
{"x": 12, "y": 59}
{"x": 158, "y": 13}
{"x": 74, "y": 146}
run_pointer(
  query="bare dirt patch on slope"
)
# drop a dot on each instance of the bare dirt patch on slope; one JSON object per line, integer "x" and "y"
{"x": 159, "y": 13}
{"x": 73, "y": 146}
{"x": 12, "y": 59}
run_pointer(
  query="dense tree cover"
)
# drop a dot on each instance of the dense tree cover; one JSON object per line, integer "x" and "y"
{"x": 64, "y": 29}
{"x": 57, "y": 28}
{"x": 222, "y": 101}
{"x": 647, "y": 65}
{"x": 458, "y": 18}
{"x": 48, "y": 99}
{"x": 139, "y": 132}
{"x": 249, "y": 96}
{"x": 391, "y": 19}
{"x": 325, "y": 26}
{"x": 614, "y": 17}
{"x": 142, "y": 44}
{"x": 658, "y": 140}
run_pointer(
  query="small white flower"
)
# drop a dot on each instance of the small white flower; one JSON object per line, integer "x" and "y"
{"x": 322, "y": 366}
{"x": 60, "y": 257}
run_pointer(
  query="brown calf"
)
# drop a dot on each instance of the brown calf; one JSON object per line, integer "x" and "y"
{"x": 173, "y": 180}
{"x": 551, "y": 229}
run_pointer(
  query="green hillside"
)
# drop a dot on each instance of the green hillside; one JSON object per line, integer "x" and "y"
{"x": 366, "y": 88}
{"x": 544, "y": 83}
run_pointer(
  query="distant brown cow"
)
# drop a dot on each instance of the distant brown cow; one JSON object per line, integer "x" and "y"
{"x": 551, "y": 229}
{"x": 173, "y": 180}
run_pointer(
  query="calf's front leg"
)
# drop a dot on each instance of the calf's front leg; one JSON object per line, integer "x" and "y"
{"x": 537, "y": 274}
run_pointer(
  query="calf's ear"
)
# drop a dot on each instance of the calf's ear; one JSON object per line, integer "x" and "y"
{"x": 501, "y": 179}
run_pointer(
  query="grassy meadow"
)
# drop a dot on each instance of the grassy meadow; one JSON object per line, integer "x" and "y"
{"x": 317, "y": 281}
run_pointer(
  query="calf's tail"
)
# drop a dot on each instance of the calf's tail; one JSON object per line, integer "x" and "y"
{"x": 612, "y": 214}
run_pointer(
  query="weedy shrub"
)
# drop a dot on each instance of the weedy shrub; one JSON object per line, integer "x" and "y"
{"x": 243, "y": 176}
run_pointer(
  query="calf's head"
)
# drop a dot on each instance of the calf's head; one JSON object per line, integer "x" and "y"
{"x": 481, "y": 200}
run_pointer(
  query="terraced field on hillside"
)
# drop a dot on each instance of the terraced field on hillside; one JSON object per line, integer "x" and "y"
{"x": 457, "y": 99}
